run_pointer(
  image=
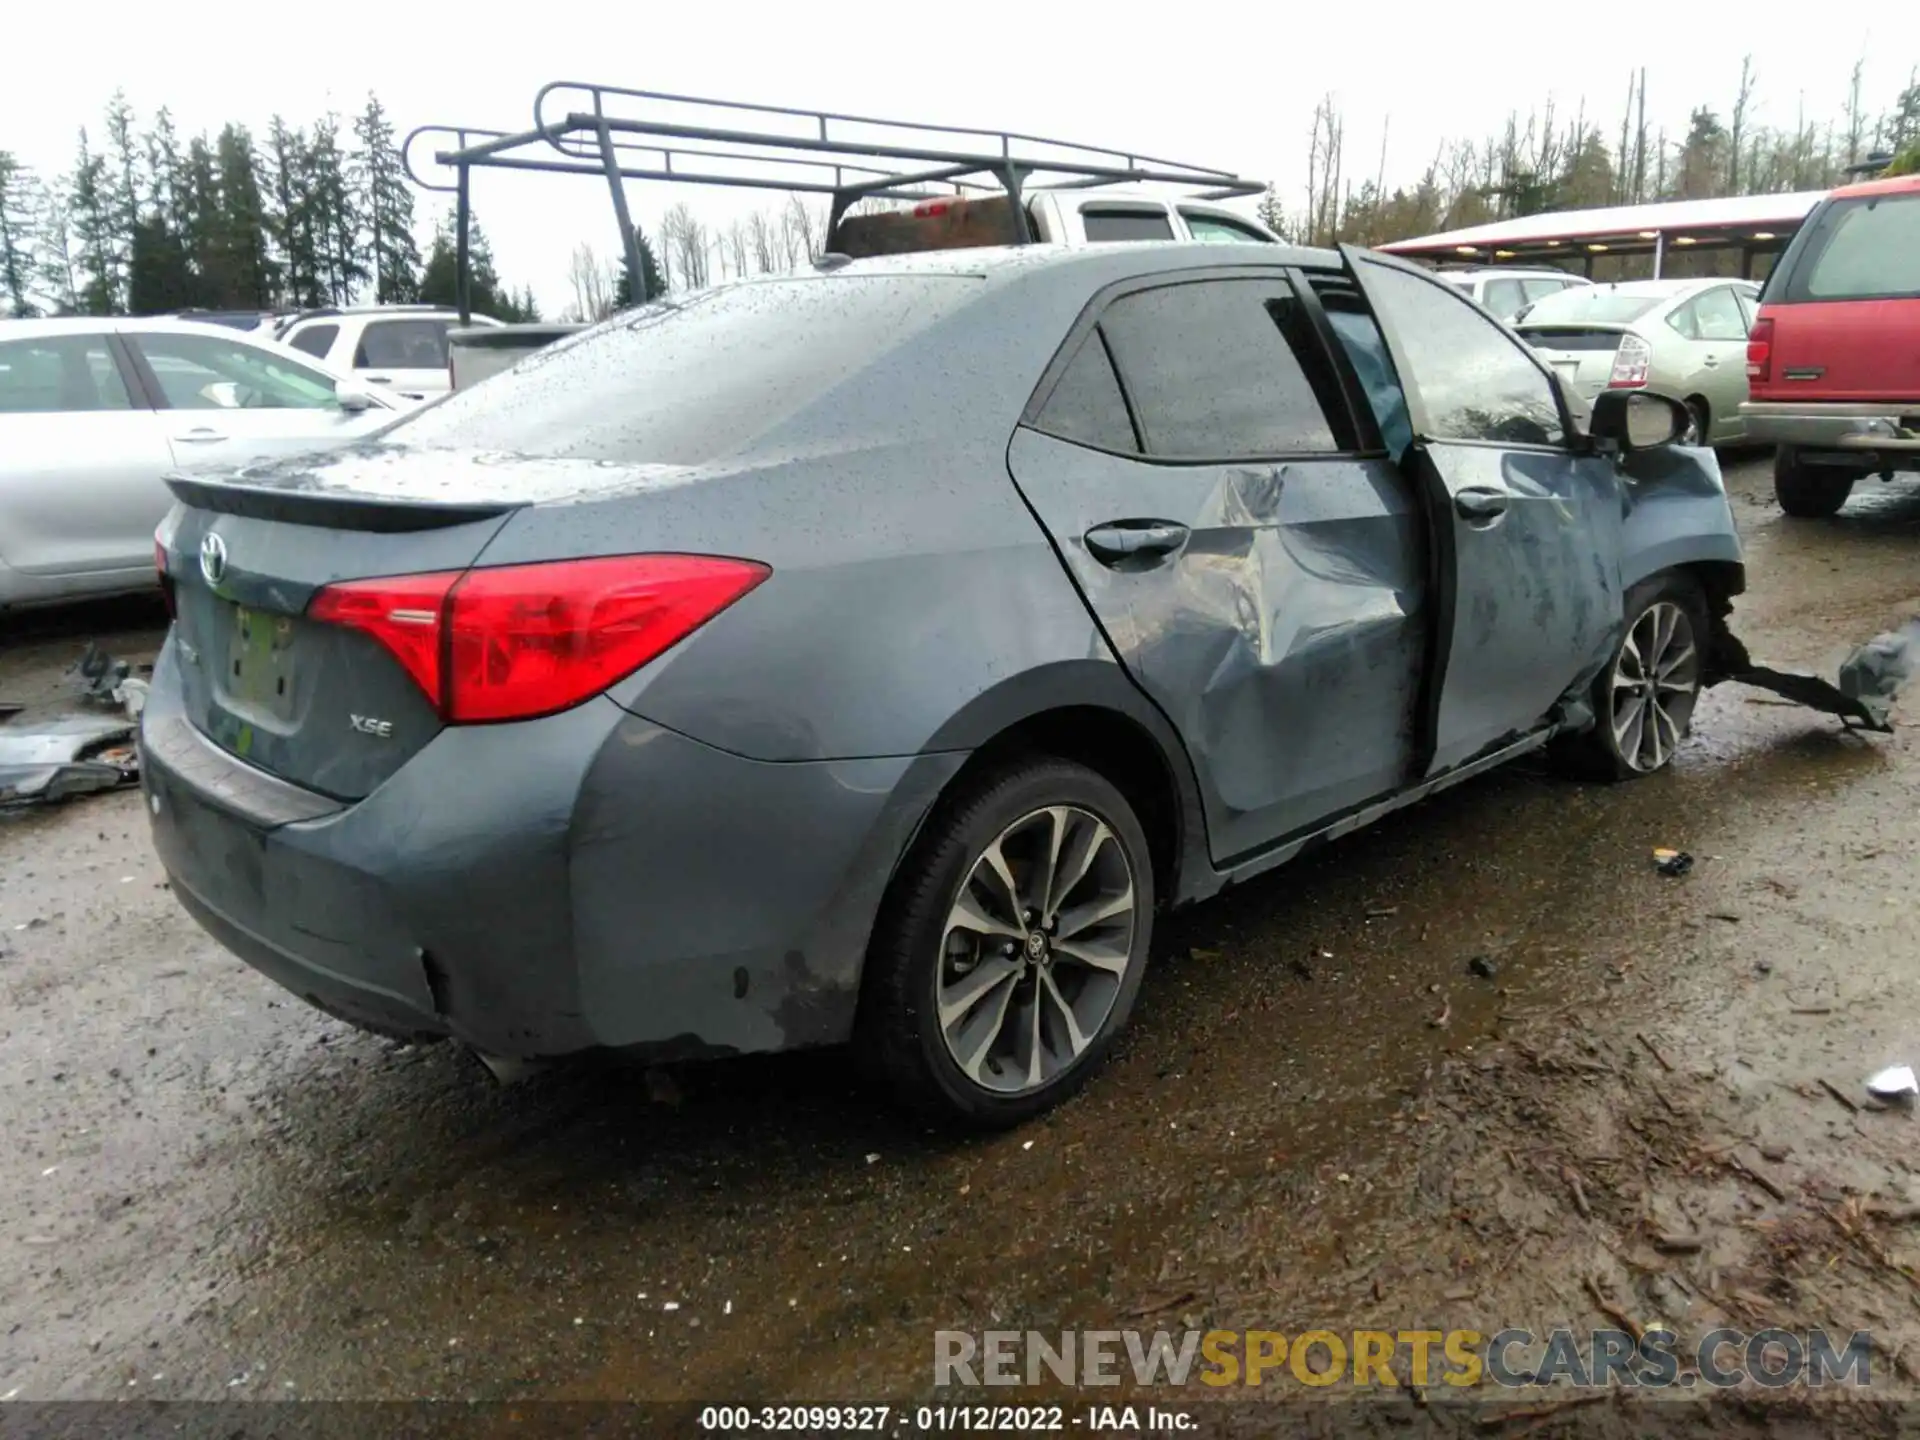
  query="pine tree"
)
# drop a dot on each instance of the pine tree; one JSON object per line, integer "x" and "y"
{"x": 199, "y": 196}
{"x": 335, "y": 223}
{"x": 19, "y": 217}
{"x": 385, "y": 202}
{"x": 125, "y": 184}
{"x": 159, "y": 276}
{"x": 290, "y": 216}
{"x": 440, "y": 277}
{"x": 649, "y": 271}
{"x": 168, "y": 192}
{"x": 55, "y": 269}
{"x": 95, "y": 233}
{"x": 245, "y": 265}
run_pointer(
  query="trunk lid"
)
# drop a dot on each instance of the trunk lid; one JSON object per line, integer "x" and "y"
{"x": 1845, "y": 303}
{"x": 320, "y": 705}
{"x": 1581, "y": 355}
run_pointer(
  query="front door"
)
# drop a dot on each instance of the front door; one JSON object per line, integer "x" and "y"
{"x": 1527, "y": 533}
{"x": 228, "y": 402}
{"x": 1259, "y": 578}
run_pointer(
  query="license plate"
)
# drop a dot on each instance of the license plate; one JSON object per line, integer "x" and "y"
{"x": 260, "y": 652}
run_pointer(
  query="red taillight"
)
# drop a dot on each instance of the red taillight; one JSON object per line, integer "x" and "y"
{"x": 931, "y": 208}
{"x": 1631, "y": 363}
{"x": 1760, "y": 351}
{"x": 515, "y": 641}
{"x": 405, "y": 613}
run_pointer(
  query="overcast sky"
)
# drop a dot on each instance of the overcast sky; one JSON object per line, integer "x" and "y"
{"x": 1232, "y": 87}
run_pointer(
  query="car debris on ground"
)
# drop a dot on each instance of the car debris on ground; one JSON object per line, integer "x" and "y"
{"x": 46, "y": 758}
{"x": 66, "y": 755}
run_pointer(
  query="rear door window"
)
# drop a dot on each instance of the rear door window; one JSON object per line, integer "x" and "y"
{"x": 206, "y": 372}
{"x": 1539, "y": 289}
{"x": 1219, "y": 229}
{"x": 316, "y": 340}
{"x": 1476, "y": 381}
{"x": 1717, "y": 315}
{"x": 1863, "y": 248}
{"x": 60, "y": 374}
{"x": 1112, "y": 224}
{"x": 1213, "y": 372}
{"x": 1086, "y": 406}
{"x": 402, "y": 345}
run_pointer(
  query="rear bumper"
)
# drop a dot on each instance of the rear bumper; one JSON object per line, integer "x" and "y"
{"x": 1876, "y": 427}
{"x": 586, "y": 881}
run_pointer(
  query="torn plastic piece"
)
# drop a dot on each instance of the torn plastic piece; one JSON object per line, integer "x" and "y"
{"x": 1894, "y": 1082}
{"x": 1873, "y": 673}
{"x": 65, "y": 756}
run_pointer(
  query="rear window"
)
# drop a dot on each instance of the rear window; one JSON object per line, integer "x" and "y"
{"x": 316, "y": 340}
{"x": 403, "y": 345}
{"x": 686, "y": 379}
{"x": 1593, "y": 305}
{"x": 1862, "y": 249}
{"x": 1127, "y": 225}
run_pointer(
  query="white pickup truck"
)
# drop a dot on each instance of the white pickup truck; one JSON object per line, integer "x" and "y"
{"x": 1058, "y": 217}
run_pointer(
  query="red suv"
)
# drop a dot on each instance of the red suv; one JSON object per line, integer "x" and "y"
{"x": 1833, "y": 362}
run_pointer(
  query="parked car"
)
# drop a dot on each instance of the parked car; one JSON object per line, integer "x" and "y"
{"x": 870, "y": 654}
{"x": 1684, "y": 339}
{"x": 95, "y": 412}
{"x": 1505, "y": 290}
{"x": 402, "y": 348}
{"x": 1834, "y": 360}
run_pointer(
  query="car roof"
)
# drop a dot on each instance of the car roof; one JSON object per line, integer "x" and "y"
{"x": 98, "y": 324}
{"x": 1890, "y": 185}
{"x": 1477, "y": 272}
{"x": 1122, "y": 259}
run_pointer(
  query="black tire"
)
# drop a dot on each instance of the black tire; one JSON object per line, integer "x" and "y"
{"x": 1700, "y": 418}
{"x": 899, "y": 1033}
{"x": 1808, "y": 492}
{"x": 1601, "y": 753}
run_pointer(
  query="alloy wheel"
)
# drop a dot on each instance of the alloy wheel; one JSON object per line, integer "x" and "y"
{"x": 1656, "y": 679}
{"x": 1036, "y": 947}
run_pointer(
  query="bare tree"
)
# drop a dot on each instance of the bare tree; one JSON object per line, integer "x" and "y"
{"x": 736, "y": 247}
{"x": 1323, "y": 173}
{"x": 801, "y": 232}
{"x": 1856, "y": 120}
{"x": 592, "y": 283}
{"x": 760, "y": 233}
{"x": 685, "y": 238}
{"x": 1738, "y": 124}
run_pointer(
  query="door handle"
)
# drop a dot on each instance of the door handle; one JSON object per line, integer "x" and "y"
{"x": 1478, "y": 504}
{"x": 1119, "y": 541}
{"x": 1710, "y": 361}
{"x": 201, "y": 436}
{"x": 377, "y": 379}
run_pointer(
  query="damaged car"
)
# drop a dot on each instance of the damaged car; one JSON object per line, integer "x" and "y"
{"x": 872, "y": 655}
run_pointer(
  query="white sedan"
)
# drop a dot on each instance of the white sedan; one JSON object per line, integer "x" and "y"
{"x": 94, "y": 412}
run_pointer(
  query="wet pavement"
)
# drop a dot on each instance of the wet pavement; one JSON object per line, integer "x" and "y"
{"x": 1464, "y": 1069}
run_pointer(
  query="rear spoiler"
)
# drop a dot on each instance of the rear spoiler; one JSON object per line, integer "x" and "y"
{"x": 332, "y": 509}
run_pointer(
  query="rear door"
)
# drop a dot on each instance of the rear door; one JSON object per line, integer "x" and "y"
{"x": 81, "y": 459}
{"x": 1527, "y": 535}
{"x": 228, "y": 401}
{"x": 1249, "y": 550}
{"x": 1712, "y": 357}
{"x": 1845, "y": 304}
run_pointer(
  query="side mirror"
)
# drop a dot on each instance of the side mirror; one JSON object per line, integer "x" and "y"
{"x": 1629, "y": 420}
{"x": 352, "y": 399}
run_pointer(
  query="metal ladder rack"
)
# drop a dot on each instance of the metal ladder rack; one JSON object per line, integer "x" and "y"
{"x": 622, "y": 134}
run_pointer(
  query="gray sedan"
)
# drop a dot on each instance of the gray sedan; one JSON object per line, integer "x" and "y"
{"x": 1684, "y": 339}
{"x": 872, "y": 654}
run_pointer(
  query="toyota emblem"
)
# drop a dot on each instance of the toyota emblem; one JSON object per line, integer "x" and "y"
{"x": 213, "y": 558}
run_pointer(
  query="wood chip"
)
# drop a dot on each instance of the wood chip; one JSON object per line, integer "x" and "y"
{"x": 1654, "y": 1050}
{"x": 1670, "y": 1244}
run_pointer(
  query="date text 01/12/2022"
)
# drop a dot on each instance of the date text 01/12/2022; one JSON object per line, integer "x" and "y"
{"x": 940, "y": 1419}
